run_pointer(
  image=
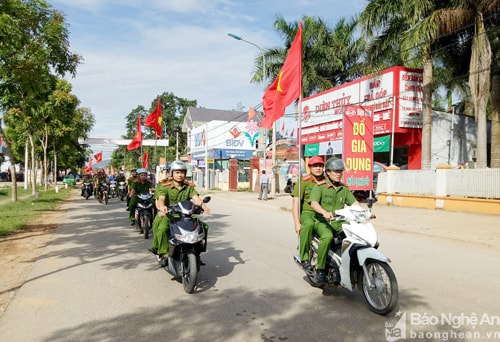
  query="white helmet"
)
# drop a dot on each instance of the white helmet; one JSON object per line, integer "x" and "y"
{"x": 177, "y": 165}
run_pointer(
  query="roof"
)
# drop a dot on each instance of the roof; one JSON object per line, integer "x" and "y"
{"x": 198, "y": 116}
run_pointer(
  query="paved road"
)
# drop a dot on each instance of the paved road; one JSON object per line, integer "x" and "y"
{"x": 96, "y": 281}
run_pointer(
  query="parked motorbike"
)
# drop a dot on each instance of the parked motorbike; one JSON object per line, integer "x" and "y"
{"x": 112, "y": 189}
{"x": 144, "y": 213}
{"x": 353, "y": 259}
{"x": 186, "y": 237}
{"x": 122, "y": 190}
{"x": 103, "y": 193}
{"x": 87, "y": 190}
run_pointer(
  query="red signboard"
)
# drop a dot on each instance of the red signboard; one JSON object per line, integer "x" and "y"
{"x": 358, "y": 147}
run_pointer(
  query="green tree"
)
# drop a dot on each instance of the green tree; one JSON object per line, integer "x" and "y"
{"x": 34, "y": 49}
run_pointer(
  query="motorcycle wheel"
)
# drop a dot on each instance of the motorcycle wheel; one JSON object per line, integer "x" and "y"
{"x": 146, "y": 227}
{"x": 106, "y": 198}
{"x": 382, "y": 297}
{"x": 87, "y": 195}
{"x": 189, "y": 273}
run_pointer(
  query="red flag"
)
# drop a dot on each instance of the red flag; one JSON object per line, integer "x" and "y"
{"x": 88, "y": 168}
{"x": 98, "y": 157}
{"x": 154, "y": 119}
{"x": 145, "y": 160}
{"x": 251, "y": 113}
{"x": 293, "y": 132}
{"x": 283, "y": 127}
{"x": 286, "y": 87}
{"x": 137, "y": 140}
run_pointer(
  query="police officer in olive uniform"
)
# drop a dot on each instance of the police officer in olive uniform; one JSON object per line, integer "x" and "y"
{"x": 139, "y": 186}
{"x": 130, "y": 181}
{"x": 325, "y": 199}
{"x": 303, "y": 214}
{"x": 172, "y": 191}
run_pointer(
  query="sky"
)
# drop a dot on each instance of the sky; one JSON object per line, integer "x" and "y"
{"x": 134, "y": 50}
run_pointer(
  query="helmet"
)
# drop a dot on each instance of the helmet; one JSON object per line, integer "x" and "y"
{"x": 139, "y": 171}
{"x": 315, "y": 160}
{"x": 334, "y": 164}
{"x": 133, "y": 170}
{"x": 177, "y": 165}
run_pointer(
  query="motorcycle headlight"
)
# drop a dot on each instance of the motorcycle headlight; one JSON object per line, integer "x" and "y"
{"x": 189, "y": 237}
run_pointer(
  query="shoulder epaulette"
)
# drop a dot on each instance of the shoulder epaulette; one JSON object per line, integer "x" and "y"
{"x": 307, "y": 177}
{"x": 322, "y": 182}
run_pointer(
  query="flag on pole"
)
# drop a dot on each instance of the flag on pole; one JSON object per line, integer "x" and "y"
{"x": 286, "y": 87}
{"x": 98, "y": 157}
{"x": 88, "y": 168}
{"x": 153, "y": 120}
{"x": 293, "y": 132}
{"x": 137, "y": 140}
{"x": 145, "y": 160}
{"x": 251, "y": 113}
{"x": 283, "y": 127}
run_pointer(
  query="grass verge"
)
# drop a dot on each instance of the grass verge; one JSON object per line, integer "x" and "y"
{"x": 15, "y": 215}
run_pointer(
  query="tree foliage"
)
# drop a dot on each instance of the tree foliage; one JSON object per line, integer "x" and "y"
{"x": 173, "y": 111}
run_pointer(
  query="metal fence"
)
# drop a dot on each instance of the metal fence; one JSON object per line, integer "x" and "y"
{"x": 473, "y": 183}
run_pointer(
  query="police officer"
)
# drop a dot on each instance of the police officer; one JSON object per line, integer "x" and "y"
{"x": 140, "y": 185}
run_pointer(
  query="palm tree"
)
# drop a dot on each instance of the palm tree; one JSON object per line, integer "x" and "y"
{"x": 329, "y": 56}
{"x": 391, "y": 23}
{"x": 450, "y": 20}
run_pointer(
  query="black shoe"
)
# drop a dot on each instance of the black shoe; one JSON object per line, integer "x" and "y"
{"x": 132, "y": 223}
{"x": 163, "y": 262}
{"x": 306, "y": 265}
{"x": 153, "y": 250}
{"x": 321, "y": 276}
{"x": 126, "y": 209}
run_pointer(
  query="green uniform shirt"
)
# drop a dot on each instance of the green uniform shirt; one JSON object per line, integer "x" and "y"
{"x": 331, "y": 199}
{"x": 142, "y": 188}
{"x": 174, "y": 195}
{"x": 307, "y": 183}
{"x": 131, "y": 180}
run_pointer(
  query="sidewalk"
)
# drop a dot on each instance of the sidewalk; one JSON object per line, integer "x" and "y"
{"x": 481, "y": 229}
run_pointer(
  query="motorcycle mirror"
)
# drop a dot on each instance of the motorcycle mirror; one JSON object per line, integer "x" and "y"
{"x": 207, "y": 199}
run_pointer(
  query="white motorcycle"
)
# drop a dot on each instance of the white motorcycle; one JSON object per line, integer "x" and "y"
{"x": 354, "y": 259}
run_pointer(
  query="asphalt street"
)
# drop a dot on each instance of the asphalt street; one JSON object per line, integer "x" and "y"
{"x": 96, "y": 281}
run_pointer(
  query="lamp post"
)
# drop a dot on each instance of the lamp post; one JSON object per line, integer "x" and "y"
{"x": 238, "y": 37}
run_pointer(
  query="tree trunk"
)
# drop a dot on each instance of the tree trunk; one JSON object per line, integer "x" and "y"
{"x": 495, "y": 122}
{"x": 427, "y": 115}
{"x": 33, "y": 166}
{"x": 479, "y": 82}
{"x": 12, "y": 161}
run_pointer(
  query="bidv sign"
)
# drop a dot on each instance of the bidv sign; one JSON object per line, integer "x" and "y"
{"x": 235, "y": 142}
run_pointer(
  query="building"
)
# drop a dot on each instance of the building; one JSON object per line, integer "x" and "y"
{"x": 214, "y": 136}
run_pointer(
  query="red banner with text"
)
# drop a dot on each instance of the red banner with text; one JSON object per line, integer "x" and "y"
{"x": 358, "y": 147}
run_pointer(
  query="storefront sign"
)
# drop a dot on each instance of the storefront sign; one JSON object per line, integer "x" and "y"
{"x": 358, "y": 147}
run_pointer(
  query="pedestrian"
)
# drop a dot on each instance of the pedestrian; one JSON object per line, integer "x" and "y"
{"x": 264, "y": 185}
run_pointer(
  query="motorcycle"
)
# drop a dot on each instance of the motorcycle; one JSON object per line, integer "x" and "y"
{"x": 144, "y": 213}
{"x": 112, "y": 189}
{"x": 187, "y": 239}
{"x": 87, "y": 190}
{"x": 353, "y": 259}
{"x": 103, "y": 193}
{"x": 122, "y": 190}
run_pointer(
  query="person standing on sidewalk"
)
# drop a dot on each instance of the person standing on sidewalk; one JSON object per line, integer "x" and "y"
{"x": 302, "y": 212}
{"x": 264, "y": 185}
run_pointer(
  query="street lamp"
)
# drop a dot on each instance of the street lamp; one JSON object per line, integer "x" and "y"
{"x": 238, "y": 37}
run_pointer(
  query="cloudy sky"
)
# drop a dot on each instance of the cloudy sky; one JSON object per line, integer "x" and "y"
{"x": 134, "y": 50}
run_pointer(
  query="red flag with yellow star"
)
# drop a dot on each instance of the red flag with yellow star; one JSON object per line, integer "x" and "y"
{"x": 154, "y": 119}
{"x": 286, "y": 86}
{"x": 137, "y": 140}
